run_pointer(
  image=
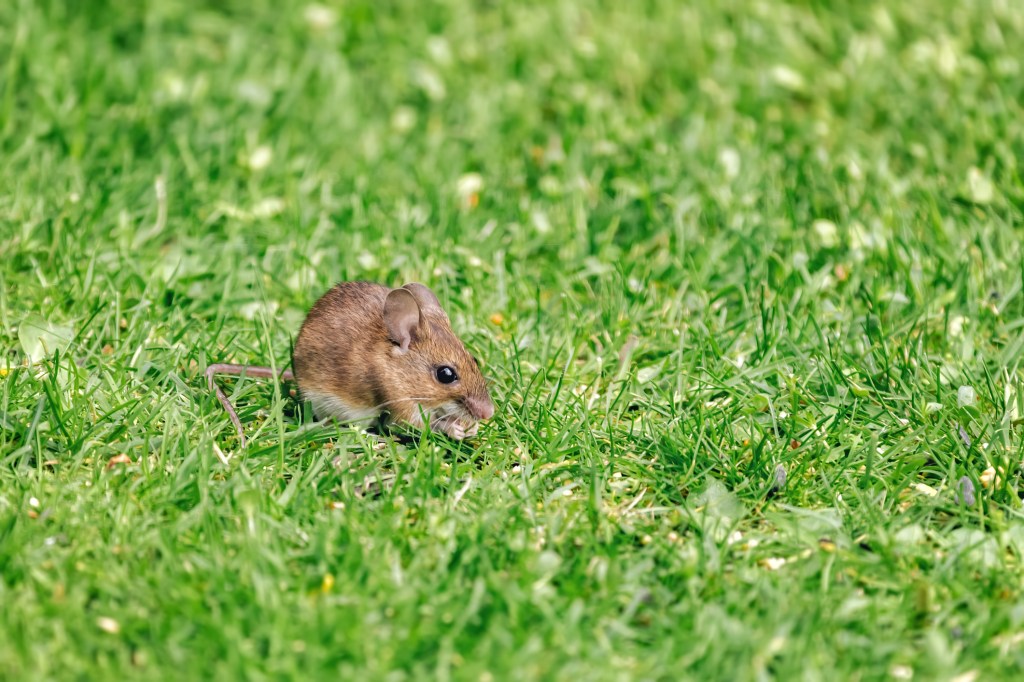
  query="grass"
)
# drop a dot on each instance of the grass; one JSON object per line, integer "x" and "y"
{"x": 747, "y": 278}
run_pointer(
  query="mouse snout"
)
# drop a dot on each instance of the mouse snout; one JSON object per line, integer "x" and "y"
{"x": 480, "y": 407}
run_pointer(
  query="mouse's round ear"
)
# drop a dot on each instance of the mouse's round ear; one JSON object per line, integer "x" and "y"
{"x": 426, "y": 298}
{"x": 401, "y": 317}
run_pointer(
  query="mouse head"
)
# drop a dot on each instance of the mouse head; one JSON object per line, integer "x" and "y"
{"x": 437, "y": 378}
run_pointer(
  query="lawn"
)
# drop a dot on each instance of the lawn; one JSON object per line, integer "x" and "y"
{"x": 746, "y": 278}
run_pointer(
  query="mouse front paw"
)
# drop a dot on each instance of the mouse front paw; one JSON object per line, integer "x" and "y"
{"x": 455, "y": 428}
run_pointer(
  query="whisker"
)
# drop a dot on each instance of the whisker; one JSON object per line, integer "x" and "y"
{"x": 398, "y": 400}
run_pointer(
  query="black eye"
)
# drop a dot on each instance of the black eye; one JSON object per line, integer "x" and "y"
{"x": 446, "y": 374}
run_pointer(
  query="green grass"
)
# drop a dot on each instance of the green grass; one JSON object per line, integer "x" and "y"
{"x": 713, "y": 244}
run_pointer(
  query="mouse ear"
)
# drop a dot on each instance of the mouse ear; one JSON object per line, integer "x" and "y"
{"x": 401, "y": 316}
{"x": 425, "y": 297}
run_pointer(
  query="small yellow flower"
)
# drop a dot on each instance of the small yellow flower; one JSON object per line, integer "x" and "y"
{"x": 327, "y": 584}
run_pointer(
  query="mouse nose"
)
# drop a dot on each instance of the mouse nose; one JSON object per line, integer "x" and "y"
{"x": 480, "y": 408}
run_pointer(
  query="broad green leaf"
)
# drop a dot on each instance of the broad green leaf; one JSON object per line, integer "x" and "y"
{"x": 40, "y": 338}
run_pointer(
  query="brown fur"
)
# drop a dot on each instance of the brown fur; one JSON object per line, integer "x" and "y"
{"x": 345, "y": 353}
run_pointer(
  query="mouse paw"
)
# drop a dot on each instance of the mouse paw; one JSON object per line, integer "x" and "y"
{"x": 455, "y": 428}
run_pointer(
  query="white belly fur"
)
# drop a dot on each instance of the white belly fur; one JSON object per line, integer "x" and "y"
{"x": 326, "y": 405}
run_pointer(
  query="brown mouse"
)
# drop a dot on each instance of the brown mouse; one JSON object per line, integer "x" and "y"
{"x": 369, "y": 352}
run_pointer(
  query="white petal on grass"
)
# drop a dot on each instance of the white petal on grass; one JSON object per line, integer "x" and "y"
{"x": 550, "y": 185}
{"x": 901, "y": 672}
{"x": 932, "y": 408}
{"x": 548, "y": 562}
{"x": 319, "y": 17}
{"x": 966, "y": 396}
{"x": 980, "y": 189}
{"x": 430, "y": 82}
{"x": 268, "y": 208}
{"x": 174, "y": 87}
{"x": 469, "y": 184}
{"x": 253, "y": 309}
{"x": 956, "y": 325}
{"x": 439, "y": 50}
{"x": 925, "y": 489}
{"x": 773, "y": 563}
{"x": 367, "y": 261}
{"x": 854, "y": 170}
{"x": 883, "y": 21}
{"x": 260, "y": 158}
{"x": 108, "y": 625}
{"x": 827, "y": 233}
{"x": 403, "y": 119}
{"x": 540, "y": 221}
{"x": 947, "y": 59}
{"x": 730, "y": 161}
{"x": 776, "y": 645}
{"x": 787, "y": 78}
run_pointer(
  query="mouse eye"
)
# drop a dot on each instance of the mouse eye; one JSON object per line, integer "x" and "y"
{"x": 446, "y": 374}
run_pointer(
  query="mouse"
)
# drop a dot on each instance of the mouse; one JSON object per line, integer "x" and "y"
{"x": 366, "y": 351}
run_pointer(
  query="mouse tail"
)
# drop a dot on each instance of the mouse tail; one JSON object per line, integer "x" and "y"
{"x": 239, "y": 370}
